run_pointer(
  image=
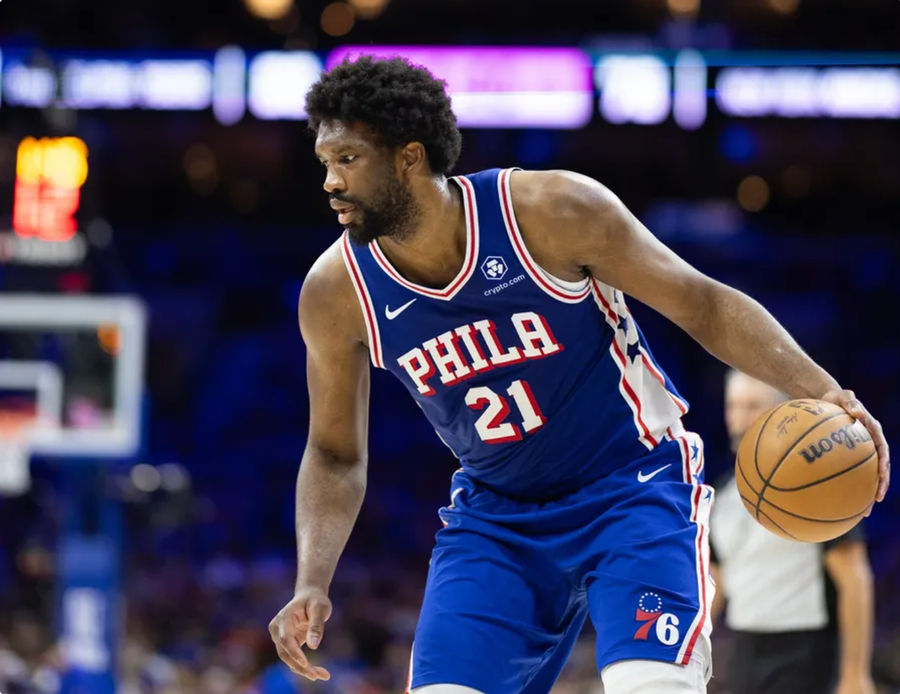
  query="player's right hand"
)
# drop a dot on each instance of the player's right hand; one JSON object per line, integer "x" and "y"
{"x": 301, "y": 622}
{"x": 847, "y": 400}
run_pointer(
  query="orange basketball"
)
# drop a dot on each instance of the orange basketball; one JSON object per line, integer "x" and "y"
{"x": 806, "y": 470}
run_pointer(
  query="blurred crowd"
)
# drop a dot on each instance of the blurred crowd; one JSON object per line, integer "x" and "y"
{"x": 202, "y": 630}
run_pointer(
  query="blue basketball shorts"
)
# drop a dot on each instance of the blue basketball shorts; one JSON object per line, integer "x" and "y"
{"x": 511, "y": 583}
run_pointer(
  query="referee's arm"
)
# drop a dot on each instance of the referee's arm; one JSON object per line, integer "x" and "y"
{"x": 848, "y": 566}
{"x": 718, "y": 603}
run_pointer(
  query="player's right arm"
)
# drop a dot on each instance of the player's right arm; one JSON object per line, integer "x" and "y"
{"x": 331, "y": 482}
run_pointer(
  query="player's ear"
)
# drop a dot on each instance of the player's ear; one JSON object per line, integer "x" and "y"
{"x": 413, "y": 159}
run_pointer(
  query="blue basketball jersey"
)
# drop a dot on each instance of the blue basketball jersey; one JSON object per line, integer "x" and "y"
{"x": 537, "y": 385}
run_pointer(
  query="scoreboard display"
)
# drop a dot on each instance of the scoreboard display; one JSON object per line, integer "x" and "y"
{"x": 49, "y": 174}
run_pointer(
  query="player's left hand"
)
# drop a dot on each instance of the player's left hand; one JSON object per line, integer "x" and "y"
{"x": 862, "y": 684}
{"x": 847, "y": 400}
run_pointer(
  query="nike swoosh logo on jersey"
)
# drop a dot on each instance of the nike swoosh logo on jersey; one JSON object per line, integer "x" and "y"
{"x": 646, "y": 478}
{"x": 391, "y": 315}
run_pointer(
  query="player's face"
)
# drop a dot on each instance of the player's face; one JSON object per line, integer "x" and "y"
{"x": 361, "y": 180}
{"x": 746, "y": 399}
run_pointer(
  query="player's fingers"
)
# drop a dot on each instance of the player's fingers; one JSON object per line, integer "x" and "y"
{"x": 321, "y": 673}
{"x": 317, "y": 612}
{"x": 288, "y": 660}
{"x": 298, "y": 661}
{"x": 884, "y": 484}
{"x": 856, "y": 409}
{"x": 313, "y": 672}
{"x": 287, "y": 644}
{"x": 287, "y": 656}
{"x": 873, "y": 426}
{"x": 884, "y": 471}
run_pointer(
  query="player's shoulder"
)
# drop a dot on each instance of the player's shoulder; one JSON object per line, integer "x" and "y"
{"x": 561, "y": 214}
{"x": 327, "y": 277}
{"x": 559, "y": 189}
{"x": 564, "y": 201}
{"x": 327, "y": 295}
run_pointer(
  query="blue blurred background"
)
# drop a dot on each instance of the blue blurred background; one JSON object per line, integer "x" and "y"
{"x": 203, "y": 198}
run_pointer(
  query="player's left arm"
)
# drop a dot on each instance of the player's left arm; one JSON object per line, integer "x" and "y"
{"x": 848, "y": 566}
{"x": 574, "y": 225}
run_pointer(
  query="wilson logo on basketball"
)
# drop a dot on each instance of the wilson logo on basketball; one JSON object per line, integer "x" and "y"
{"x": 849, "y": 436}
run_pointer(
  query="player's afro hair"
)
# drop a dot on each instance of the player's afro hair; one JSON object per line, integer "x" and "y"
{"x": 401, "y": 102}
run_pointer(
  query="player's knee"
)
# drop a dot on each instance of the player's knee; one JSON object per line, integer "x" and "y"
{"x": 444, "y": 689}
{"x": 641, "y": 676}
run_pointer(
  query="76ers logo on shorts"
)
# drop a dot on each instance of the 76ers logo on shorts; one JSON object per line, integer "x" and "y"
{"x": 649, "y": 611}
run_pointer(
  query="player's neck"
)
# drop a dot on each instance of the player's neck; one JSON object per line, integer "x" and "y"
{"x": 434, "y": 253}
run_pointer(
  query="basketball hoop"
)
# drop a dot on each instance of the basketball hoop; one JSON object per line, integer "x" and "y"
{"x": 15, "y": 429}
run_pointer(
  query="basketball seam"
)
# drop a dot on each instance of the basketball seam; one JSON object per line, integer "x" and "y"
{"x": 824, "y": 479}
{"x": 786, "y": 453}
{"x": 744, "y": 475}
{"x": 744, "y": 498}
{"x": 756, "y": 456}
{"x": 816, "y": 520}
{"x": 772, "y": 521}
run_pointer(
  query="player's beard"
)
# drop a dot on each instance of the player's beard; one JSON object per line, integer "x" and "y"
{"x": 392, "y": 212}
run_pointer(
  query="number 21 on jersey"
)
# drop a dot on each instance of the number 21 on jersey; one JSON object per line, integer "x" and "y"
{"x": 492, "y": 426}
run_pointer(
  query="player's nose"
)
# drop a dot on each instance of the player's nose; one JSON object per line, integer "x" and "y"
{"x": 333, "y": 182}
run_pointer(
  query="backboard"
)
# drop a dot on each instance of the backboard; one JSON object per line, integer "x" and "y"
{"x": 71, "y": 379}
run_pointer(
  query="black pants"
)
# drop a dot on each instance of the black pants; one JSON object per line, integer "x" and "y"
{"x": 794, "y": 662}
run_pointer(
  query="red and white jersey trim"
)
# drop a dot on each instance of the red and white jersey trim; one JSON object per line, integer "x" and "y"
{"x": 541, "y": 277}
{"x": 654, "y": 408}
{"x": 469, "y": 263}
{"x": 651, "y": 367}
{"x": 365, "y": 301}
{"x": 691, "y": 446}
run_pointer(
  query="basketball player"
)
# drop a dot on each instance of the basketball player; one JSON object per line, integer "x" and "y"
{"x": 802, "y": 613}
{"x": 498, "y": 299}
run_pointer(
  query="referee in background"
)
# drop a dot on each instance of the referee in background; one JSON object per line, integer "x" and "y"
{"x": 801, "y": 613}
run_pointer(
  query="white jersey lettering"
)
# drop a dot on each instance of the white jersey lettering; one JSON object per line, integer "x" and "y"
{"x": 535, "y": 334}
{"x": 489, "y": 335}
{"x": 419, "y": 368}
{"x": 482, "y": 352}
{"x": 445, "y": 354}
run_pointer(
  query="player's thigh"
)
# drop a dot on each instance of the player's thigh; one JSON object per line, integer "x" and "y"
{"x": 649, "y": 590}
{"x": 444, "y": 689}
{"x": 495, "y": 614}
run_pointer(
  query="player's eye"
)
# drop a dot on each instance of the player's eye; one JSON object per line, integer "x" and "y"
{"x": 347, "y": 158}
